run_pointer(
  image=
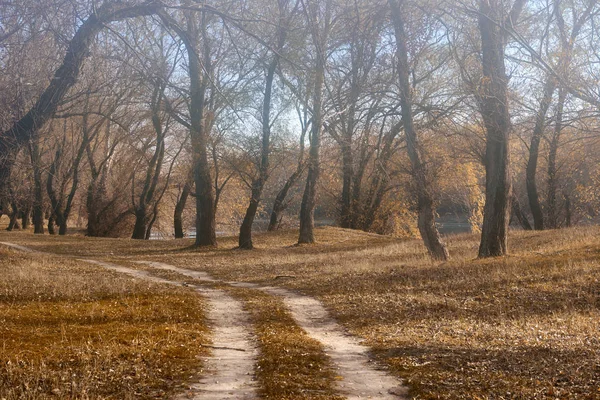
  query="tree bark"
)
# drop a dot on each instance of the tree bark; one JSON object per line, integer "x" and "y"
{"x": 51, "y": 224}
{"x": 200, "y": 74}
{"x": 245, "y": 238}
{"x": 379, "y": 184}
{"x": 14, "y": 218}
{"x": 425, "y": 205}
{"x": 518, "y": 212}
{"x": 534, "y": 148}
{"x": 38, "y": 191}
{"x": 552, "y": 166}
{"x": 178, "y": 213}
{"x": 147, "y": 195}
{"x": 307, "y": 207}
{"x": 280, "y": 205}
{"x": 493, "y": 101}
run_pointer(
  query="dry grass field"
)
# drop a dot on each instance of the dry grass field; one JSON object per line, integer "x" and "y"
{"x": 524, "y": 326}
{"x": 71, "y": 330}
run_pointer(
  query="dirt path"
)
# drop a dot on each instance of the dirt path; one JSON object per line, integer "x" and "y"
{"x": 229, "y": 370}
{"x": 360, "y": 379}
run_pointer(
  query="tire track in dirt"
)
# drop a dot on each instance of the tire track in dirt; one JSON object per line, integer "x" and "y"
{"x": 229, "y": 370}
{"x": 360, "y": 379}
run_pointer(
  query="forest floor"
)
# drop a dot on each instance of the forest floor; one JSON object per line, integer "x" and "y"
{"x": 522, "y": 326}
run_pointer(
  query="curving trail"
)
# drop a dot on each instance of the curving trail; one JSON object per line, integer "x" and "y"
{"x": 234, "y": 353}
{"x": 360, "y": 379}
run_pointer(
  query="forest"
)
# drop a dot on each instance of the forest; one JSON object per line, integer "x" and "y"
{"x": 170, "y": 118}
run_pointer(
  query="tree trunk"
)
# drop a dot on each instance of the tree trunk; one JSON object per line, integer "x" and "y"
{"x": 38, "y": 192}
{"x": 425, "y": 205}
{"x": 151, "y": 222}
{"x": 307, "y": 207}
{"x": 14, "y": 218}
{"x": 51, "y": 224}
{"x": 518, "y": 212}
{"x": 279, "y": 205}
{"x": 147, "y": 195}
{"x": 568, "y": 215}
{"x": 534, "y": 148}
{"x": 200, "y": 74}
{"x": 245, "y": 239}
{"x": 346, "y": 215}
{"x": 141, "y": 219}
{"x": 552, "y": 167}
{"x": 26, "y": 217}
{"x": 178, "y": 213}
{"x": 496, "y": 117}
{"x": 379, "y": 184}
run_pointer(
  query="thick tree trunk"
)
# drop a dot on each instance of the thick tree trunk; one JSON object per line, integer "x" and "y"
{"x": 200, "y": 74}
{"x": 245, "y": 238}
{"x": 14, "y": 218}
{"x": 425, "y": 204}
{"x": 141, "y": 220}
{"x": 495, "y": 113}
{"x": 26, "y": 217}
{"x": 534, "y": 148}
{"x": 51, "y": 224}
{"x": 178, "y": 213}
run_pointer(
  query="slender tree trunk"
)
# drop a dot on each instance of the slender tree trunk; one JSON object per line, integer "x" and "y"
{"x": 151, "y": 222}
{"x": 534, "y": 148}
{"x": 38, "y": 191}
{"x": 280, "y": 205}
{"x": 425, "y": 204}
{"x": 346, "y": 215}
{"x": 568, "y": 215}
{"x": 147, "y": 195}
{"x": 518, "y": 212}
{"x": 552, "y": 167}
{"x": 178, "y": 213}
{"x": 496, "y": 117}
{"x": 379, "y": 184}
{"x": 309, "y": 198}
{"x": 245, "y": 238}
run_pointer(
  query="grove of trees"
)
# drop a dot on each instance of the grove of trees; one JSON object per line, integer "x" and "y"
{"x": 382, "y": 115}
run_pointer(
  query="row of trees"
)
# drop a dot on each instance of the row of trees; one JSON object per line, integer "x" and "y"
{"x": 377, "y": 106}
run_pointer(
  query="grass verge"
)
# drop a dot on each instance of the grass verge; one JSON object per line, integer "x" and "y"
{"x": 70, "y": 330}
{"x": 291, "y": 365}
